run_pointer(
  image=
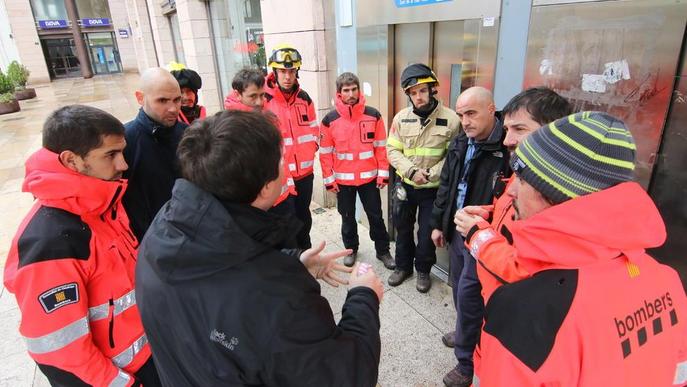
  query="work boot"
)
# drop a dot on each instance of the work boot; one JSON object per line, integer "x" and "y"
{"x": 387, "y": 260}
{"x": 349, "y": 260}
{"x": 455, "y": 379}
{"x": 449, "y": 339}
{"x": 398, "y": 276}
{"x": 423, "y": 282}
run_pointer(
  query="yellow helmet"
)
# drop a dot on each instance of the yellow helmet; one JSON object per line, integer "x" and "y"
{"x": 284, "y": 56}
{"x": 175, "y": 66}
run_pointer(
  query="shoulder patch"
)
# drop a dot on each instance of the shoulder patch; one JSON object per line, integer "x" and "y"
{"x": 330, "y": 117}
{"x": 372, "y": 112}
{"x": 545, "y": 298}
{"x": 404, "y": 120}
{"x": 53, "y": 233}
{"x": 59, "y": 296}
{"x": 442, "y": 122}
{"x": 304, "y": 96}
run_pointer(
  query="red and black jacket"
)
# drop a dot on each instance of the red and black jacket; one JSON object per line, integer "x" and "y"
{"x": 71, "y": 267}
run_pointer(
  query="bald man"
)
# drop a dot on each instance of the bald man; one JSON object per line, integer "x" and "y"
{"x": 476, "y": 163}
{"x": 151, "y": 143}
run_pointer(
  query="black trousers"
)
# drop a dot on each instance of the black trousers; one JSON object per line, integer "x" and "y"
{"x": 146, "y": 376}
{"x": 372, "y": 204}
{"x": 302, "y": 205}
{"x": 419, "y": 202}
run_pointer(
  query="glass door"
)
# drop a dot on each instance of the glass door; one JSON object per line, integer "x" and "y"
{"x": 60, "y": 56}
{"x": 102, "y": 49}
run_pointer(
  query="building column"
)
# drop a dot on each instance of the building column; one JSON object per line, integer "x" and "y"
{"x": 25, "y": 37}
{"x": 195, "y": 37}
{"x": 81, "y": 49}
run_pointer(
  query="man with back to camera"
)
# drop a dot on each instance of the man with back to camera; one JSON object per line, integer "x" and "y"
{"x": 248, "y": 94}
{"x": 152, "y": 139}
{"x": 71, "y": 264}
{"x": 606, "y": 313}
{"x": 299, "y": 128}
{"x": 353, "y": 160}
{"x": 416, "y": 148}
{"x": 522, "y": 115}
{"x": 476, "y": 161}
{"x": 222, "y": 304}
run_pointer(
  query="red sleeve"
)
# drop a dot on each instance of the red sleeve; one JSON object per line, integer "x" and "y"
{"x": 380, "y": 152}
{"x": 53, "y": 299}
{"x": 326, "y": 154}
{"x": 497, "y": 259}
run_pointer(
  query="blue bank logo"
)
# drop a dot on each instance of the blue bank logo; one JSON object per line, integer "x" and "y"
{"x": 415, "y": 3}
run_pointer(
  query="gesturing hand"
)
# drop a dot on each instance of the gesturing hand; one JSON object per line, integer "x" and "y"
{"x": 324, "y": 266}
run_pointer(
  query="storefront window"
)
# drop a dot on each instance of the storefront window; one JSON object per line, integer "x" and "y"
{"x": 49, "y": 10}
{"x": 176, "y": 37}
{"x": 238, "y": 37}
{"x": 102, "y": 48}
{"x": 93, "y": 9}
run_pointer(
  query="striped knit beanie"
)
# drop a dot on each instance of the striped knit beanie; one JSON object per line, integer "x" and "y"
{"x": 576, "y": 155}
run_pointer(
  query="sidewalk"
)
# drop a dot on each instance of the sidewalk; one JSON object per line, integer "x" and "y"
{"x": 412, "y": 323}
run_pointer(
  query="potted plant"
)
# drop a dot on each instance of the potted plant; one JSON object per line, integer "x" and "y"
{"x": 19, "y": 75}
{"x": 8, "y": 104}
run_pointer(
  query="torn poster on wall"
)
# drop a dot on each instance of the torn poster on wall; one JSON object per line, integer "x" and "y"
{"x": 616, "y": 71}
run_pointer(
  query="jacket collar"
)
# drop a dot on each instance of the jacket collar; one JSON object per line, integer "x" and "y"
{"x": 352, "y": 112}
{"x": 588, "y": 229}
{"x": 155, "y": 128}
{"x": 55, "y": 185}
{"x": 272, "y": 88}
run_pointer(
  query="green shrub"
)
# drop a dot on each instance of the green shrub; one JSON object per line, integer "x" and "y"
{"x": 6, "y": 85}
{"x": 6, "y": 97}
{"x": 18, "y": 74}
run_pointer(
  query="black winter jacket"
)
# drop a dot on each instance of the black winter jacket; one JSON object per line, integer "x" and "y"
{"x": 222, "y": 307}
{"x": 153, "y": 166}
{"x": 488, "y": 167}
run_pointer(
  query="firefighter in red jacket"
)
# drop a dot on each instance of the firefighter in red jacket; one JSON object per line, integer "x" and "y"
{"x": 299, "y": 128}
{"x": 353, "y": 160}
{"x": 595, "y": 310}
{"x": 189, "y": 82}
{"x": 248, "y": 94}
{"x": 71, "y": 264}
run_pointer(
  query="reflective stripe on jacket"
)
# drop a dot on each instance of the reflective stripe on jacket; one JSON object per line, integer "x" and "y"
{"x": 288, "y": 187}
{"x": 298, "y": 126}
{"x": 412, "y": 145}
{"x": 71, "y": 267}
{"x": 353, "y": 145}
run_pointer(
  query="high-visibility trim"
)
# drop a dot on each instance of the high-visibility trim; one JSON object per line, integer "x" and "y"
{"x": 307, "y": 164}
{"x": 479, "y": 239}
{"x": 121, "y": 304}
{"x": 329, "y": 180}
{"x": 307, "y": 138}
{"x": 680, "y": 374}
{"x": 345, "y": 176}
{"x": 366, "y": 155}
{"x": 368, "y": 174}
{"x": 475, "y": 381}
{"x": 379, "y": 143}
{"x": 326, "y": 149}
{"x": 394, "y": 143}
{"x": 344, "y": 156}
{"x": 284, "y": 188}
{"x": 430, "y": 152}
{"x": 58, "y": 339}
{"x": 290, "y": 182}
{"x": 127, "y": 356}
{"x": 288, "y": 141}
{"x": 292, "y": 167}
{"x": 383, "y": 173}
{"x": 314, "y": 124}
{"x": 121, "y": 380}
